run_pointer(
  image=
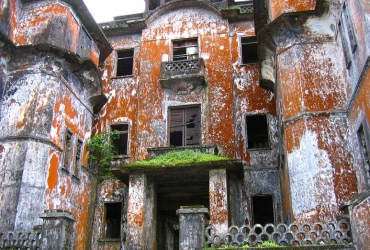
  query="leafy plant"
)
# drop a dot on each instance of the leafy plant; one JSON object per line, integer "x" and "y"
{"x": 102, "y": 150}
{"x": 174, "y": 158}
{"x": 268, "y": 244}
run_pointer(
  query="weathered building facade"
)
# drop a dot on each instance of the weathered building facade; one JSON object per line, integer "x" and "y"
{"x": 279, "y": 87}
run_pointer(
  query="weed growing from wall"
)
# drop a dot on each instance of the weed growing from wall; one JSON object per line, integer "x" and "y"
{"x": 101, "y": 149}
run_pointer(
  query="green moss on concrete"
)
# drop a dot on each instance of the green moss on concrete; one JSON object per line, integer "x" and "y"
{"x": 178, "y": 158}
{"x": 313, "y": 247}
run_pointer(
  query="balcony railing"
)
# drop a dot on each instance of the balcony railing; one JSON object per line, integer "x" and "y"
{"x": 336, "y": 233}
{"x": 182, "y": 76}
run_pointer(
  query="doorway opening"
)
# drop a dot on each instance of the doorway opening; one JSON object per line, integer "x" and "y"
{"x": 263, "y": 209}
{"x": 169, "y": 199}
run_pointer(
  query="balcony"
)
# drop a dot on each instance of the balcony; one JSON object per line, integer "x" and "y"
{"x": 183, "y": 76}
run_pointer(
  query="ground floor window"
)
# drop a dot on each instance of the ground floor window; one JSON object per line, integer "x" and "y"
{"x": 113, "y": 215}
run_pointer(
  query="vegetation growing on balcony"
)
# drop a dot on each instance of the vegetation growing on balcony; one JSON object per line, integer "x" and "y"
{"x": 177, "y": 158}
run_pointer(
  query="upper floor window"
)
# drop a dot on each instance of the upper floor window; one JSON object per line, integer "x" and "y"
{"x": 72, "y": 153}
{"x": 257, "y": 131}
{"x": 185, "y": 49}
{"x": 362, "y": 135}
{"x": 68, "y": 145}
{"x": 185, "y": 124}
{"x": 249, "y": 51}
{"x": 347, "y": 31}
{"x": 78, "y": 156}
{"x": 125, "y": 62}
{"x": 120, "y": 144}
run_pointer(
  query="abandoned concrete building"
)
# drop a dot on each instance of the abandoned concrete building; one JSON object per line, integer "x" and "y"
{"x": 278, "y": 87}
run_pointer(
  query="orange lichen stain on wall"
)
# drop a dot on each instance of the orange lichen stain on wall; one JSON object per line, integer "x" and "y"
{"x": 53, "y": 170}
{"x": 26, "y": 110}
{"x": 219, "y": 213}
{"x": 136, "y": 219}
{"x": 220, "y": 92}
{"x": 13, "y": 32}
{"x": 323, "y": 87}
{"x": 94, "y": 54}
{"x": 82, "y": 198}
{"x": 1, "y": 151}
{"x": 292, "y": 133}
{"x": 74, "y": 28}
{"x": 362, "y": 102}
{"x": 301, "y": 5}
{"x": 289, "y": 89}
{"x": 40, "y": 16}
{"x": 56, "y": 124}
{"x": 279, "y": 7}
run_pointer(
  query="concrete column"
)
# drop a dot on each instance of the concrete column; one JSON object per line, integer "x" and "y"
{"x": 218, "y": 200}
{"x": 58, "y": 230}
{"x": 192, "y": 224}
{"x": 135, "y": 238}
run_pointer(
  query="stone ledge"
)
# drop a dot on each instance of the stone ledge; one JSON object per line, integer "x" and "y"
{"x": 55, "y": 214}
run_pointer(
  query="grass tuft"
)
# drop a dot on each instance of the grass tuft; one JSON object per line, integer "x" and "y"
{"x": 177, "y": 158}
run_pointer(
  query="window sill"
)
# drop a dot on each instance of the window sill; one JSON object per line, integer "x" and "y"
{"x": 63, "y": 169}
{"x": 259, "y": 149}
{"x": 120, "y": 157}
{"x": 75, "y": 177}
{"x": 249, "y": 64}
{"x": 119, "y": 77}
{"x": 109, "y": 240}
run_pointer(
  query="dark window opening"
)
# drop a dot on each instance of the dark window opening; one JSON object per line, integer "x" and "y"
{"x": 185, "y": 50}
{"x": 263, "y": 210}
{"x": 249, "y": 50}
{"x": 347, "y": 32}
{"x": 67, "y": 149}
{"x": 125, "y": 62}
{"x": 77, "y": 157}
{"x": 113, "y": 220}
{"x": 185, "y": 126}
{"x": 364, "y": 150}
{"x": 257, "y": 131}
{"x": 121, "y": 143}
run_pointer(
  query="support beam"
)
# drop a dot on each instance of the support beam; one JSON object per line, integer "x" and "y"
{"x": 218, "y": 200}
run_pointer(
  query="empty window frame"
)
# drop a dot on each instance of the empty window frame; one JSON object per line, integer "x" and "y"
{"x": 185, "y": 49}
{"x": 121, "y": 143}
{"x": 263, "y": 209}
{"x": 249, "y": 50}
{"x": 185, "y": 124}
{"x": 257, "y": 131}
{"x": 347, "y": 31}
{"x": 125, "y": 62}
{"x": 364, "y": 150}
{"x": 113, "y": 218}
{"x": 78, "y": 156}
{"x": 68, "y": 146}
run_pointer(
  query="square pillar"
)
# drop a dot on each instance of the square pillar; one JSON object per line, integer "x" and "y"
{"x": 135, "y": 238}
{"x": 218, "y": 205}
{"x": 58, "y": 230}
{"x": 192, "y": 225}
